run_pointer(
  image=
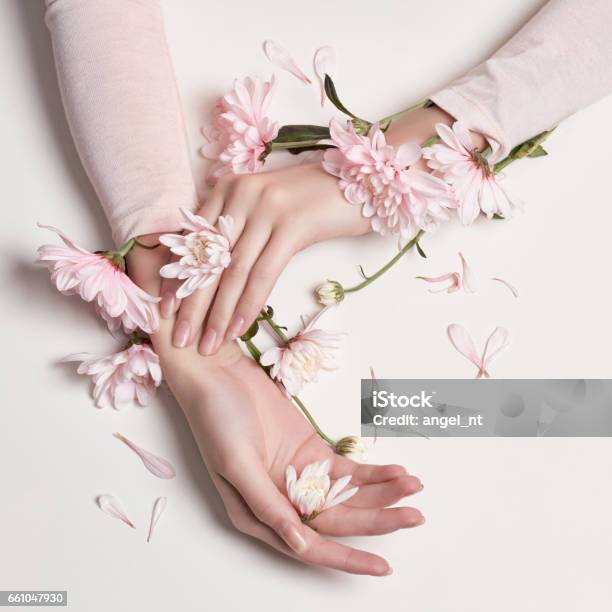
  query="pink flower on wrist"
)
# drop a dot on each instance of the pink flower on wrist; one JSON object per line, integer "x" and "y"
{"x": 99, "y": 278}
{"x": 476, "y": 186}
{"x": 375, "y": 175}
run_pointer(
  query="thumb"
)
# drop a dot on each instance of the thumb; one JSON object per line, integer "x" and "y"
{"x": 268, "y": 504}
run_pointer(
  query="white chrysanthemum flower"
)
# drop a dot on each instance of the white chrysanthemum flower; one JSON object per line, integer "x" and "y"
{"x": 301, "y": 359}
{"x": 204, "y": 252}
{"x": 311, "y": 494}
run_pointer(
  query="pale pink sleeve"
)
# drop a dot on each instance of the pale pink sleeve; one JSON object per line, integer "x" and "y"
{"x": 558, "y": 63}
{"x": 119, "y": 92}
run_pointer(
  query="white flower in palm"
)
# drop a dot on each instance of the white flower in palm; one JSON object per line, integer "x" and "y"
{"x": 301, "y": 359}
{"x": 204, "y": 252}
{"x": 311, "y": 493}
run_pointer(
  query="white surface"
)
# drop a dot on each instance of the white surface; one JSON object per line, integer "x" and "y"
{"x": 511, "y": 524}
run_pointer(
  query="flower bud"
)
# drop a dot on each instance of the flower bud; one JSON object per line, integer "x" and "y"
{"x": 330, "y": 293}
{"x": 352, "y": 447}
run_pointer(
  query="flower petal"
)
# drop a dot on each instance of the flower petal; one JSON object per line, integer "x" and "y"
{"x": 324, "y": 63}
{"x": 462, "y": 341}
{"x": 470, "y": 283}
{"x": 158, "y": 508}
{"x": 511, "y": 287}
{"x": 156, "y": 465}
{"x": 280, "y": 57}
{"x": 111, "y": 506}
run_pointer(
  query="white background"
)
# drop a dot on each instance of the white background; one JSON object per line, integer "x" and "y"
{"x": 512, "y": 524}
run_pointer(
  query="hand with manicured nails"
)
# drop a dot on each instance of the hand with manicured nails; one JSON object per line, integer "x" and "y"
{"x": 275, "y": 214}
{"x": 248, "y": 432}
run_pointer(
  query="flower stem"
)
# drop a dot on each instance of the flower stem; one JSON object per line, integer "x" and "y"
{"x": 311, "y": 420}
{"x": 256, "y": 354}
{"x": 126, "y": 248}
{"x": 387, "y": 266}
{"x": 266, "y": 314}
{"x": 525, "y": 149}
{"x": 386, "y": 121}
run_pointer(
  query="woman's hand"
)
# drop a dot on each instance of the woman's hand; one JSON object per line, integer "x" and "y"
{"x": 276, "y": 214}
{"x": 248, "y": 432}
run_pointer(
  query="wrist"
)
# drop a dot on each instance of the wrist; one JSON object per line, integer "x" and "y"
{"x": 420, "y": 125}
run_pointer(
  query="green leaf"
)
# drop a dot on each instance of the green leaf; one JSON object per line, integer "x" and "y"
{"x": 362, "y": 273}
{"x": 539, "y": 151}
{"x": 332, "y": 94}
{"x": 298, "y": 150}
{"x": 251, "y": 332}
{"x": 299, "y": 133}
{"x": 420, "y": 251}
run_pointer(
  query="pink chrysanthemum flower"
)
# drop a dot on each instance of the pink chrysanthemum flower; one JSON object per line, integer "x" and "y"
{"x": 375, "y": 175}
{"x": 96, "y": 277}
{"x": 303, "y": 357}
{"x": 240, "y": 131}
{"x": 204, "y": 252}
{"x": 120, "y": 379}
{"x": 461, "y": 165}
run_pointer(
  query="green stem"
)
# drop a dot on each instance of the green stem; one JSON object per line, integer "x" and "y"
{"x": 387, "y": 266}
{"x": 256, "y": 354}
{"x": 523, "y": 150}
{"x": 389, "y": 118}
{"x": 311, "y": 420}
{"x": 126, "y": 248}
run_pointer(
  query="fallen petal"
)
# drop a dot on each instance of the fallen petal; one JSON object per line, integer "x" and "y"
{"x": 453, "y": 277}
{"x": 470, "y": 284}
{"x": 462, "y": 341}
{"x": 156, "y": 465}
{"x": 512, "y": 288}
{"x": 498, "y": 340}
{"x": 280, "y": 57}
{"x": 158, "y": 509}
{"x": 111, "y": 506}
{"x": 324, "y": 63}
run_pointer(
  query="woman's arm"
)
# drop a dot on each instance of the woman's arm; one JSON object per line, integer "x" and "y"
{"x": 119, "y": 92}
{"x": 558, "y": 63}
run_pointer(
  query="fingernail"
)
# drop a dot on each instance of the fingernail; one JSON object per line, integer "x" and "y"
{"x": 181, "y": 334}
{"x": 166, "y": 306}
{"x": 235, "y": 327}
{"x": 422, "y": 521}
{"x": 208, "y": 341}
{"x": 388, "y": 572}
{"x": 293, "y": 538}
